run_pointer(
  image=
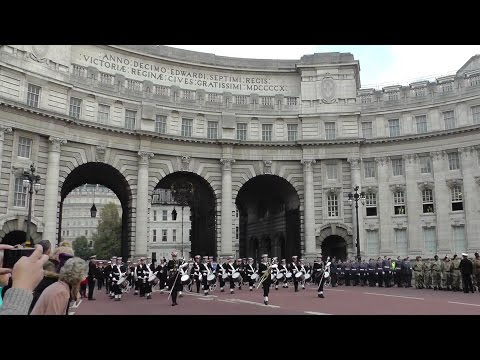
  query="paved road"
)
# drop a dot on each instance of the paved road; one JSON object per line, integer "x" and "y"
{"x": 337, "y": 301}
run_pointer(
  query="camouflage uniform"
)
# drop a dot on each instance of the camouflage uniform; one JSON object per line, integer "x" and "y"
{"x": 418, "y": 272}
{"x": 456, "y": 273}
{"x": 476, "y": 271}
{"x": 437, "y": 273}
{"x": 447, "y": 268}
{"x": 427, "y": 274}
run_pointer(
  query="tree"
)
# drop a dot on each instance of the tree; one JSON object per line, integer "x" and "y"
{"x": 109, "y": 232}
{"x": 81, "y": 248}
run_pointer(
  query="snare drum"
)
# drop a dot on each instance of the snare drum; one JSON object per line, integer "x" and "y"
{"x": 299, "y": 276}
{"x": 307, "y": 277}
{"x": 326, "y": 274}
{"x": 122, "y": 282}
{"x": 185, "y": 279}
{"x": 225, "y": 276}
{"x": 254, "y": 277}
{"x": 237, "y": 277}
{"x": 288, "y": 275}
{"x": 280, "y": 276}
{"x": 211, "y": 279}
{"x": 153, "y": 279}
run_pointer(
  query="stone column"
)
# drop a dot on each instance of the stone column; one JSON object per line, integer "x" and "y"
{"x": 442, "y": 202}
{"x": 414, "y": 207}
{"x": 309, "y": 209}
{"x": 470, "y": 199}
{"x": 3, "y": 131}
{"x": 227, "y": 241}
{"x": 50, "y": 205}
{"x": 141, "y": 223}
{"x": 356, "y": 178}
{"x": 385, "y": 207}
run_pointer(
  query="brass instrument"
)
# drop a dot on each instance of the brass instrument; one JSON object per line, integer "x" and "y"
{"x": 267, "y": 273}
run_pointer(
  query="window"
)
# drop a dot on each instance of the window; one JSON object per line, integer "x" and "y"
{"x": 332, "y": 205}
{"x": 367, "y": 130}
{"x": 366, "y": 99}
{"x": 130, "y": 117}
{"x": 154, "y": 255}
{"x": 457, "y": 198}
{"x": 393, "y": 95}
{"x": 103, "y": 113}
{"x": 241, "y": 99}
{"x": 453, "y": 161}
{"x": 79, "y": 71}
{"x": 236, "y": 213}
{"x": 447, "y": 87}
{"x": 154, "y": 235}
{"x": 75, "y": 106}
{"x": 370, "y": 170}
{"x": 474, "y": 80}
{"x": 161, "y": 124}
{"x": 419, "y": 92}
{"x": 427, "y": 201}
{"x": 476, "y": 114}
{"x": 459, "y": 239}
{"x": 20, "y": 194}
{"x": 212, "y": 129}
{"x": 86, "y": 232}
{"x": 401, "y": 242}
{"x": 425, "y": 164}
{"x": 292, "y": 132}
{"x": 449, "y": 120}
{"x": 329, "y": 130}
{"x": 267, "y": 101}
{"x": 430, "y": 237}
{"x": 371, "y": 204}
{"x": 267, "y": 132}
{"x": 33, "y": 94}
{"x": 161, "y": 90}
{"x": 394, "y": 126}
{"x": 24, "y": 147}
{"x": 291, "y": 101}
{"x": 174, "y": 235}
{"x": 187, "y": 125}
{"x": 212, "y": 98}
{"x": 242, "y": 131}
{"x": 397, "y": 167}
{"x": 331, "y": 171}
{"x": 154, "y": 215}
{"x": 399, "y": 203}
{"x": 236, "y": 232}
{"x": 106, "y": 78}
{"x": 421, "y": 124}
{"x": 188, "y": 95}
{"x": 164, "y": 215}
{"x": 164, "y": 234}
{"x": 373, "y": 245}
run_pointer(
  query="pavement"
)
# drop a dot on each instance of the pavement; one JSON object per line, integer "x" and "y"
{"x": 338, "y": 301}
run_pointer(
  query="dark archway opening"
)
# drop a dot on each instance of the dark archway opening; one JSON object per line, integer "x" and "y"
{"x": 200, "y": 198}
{"x": 14, "y": 237}
{"x": 269, "y": 209}
{"x": 334, "y": 245}
{"x": 108, "y": 176}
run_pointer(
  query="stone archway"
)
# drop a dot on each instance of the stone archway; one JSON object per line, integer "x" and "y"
{"x": 336, "y": 240}
{"x": 13, "y": 229}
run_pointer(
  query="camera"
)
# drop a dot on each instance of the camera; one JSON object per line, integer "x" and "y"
{"x": 11, "y": 256}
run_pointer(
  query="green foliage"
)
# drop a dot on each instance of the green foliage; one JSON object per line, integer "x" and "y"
{"x": 107, "y": 240}
{"x": 81, "y": 248}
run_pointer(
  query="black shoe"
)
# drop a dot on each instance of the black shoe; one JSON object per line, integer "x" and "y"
{"x": 92, "y": 299}
{"x": 321, "y": 296}
{"x": 265, "y": 302}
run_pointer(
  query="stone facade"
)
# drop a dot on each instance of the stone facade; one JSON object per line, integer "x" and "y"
{"x": 150, "y": 111}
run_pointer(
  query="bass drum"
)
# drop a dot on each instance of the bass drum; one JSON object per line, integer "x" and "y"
{"x": 211, "y": 279}
{"x": 185, "y": 279}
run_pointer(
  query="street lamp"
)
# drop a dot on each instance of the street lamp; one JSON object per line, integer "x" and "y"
{"x": 355, "y": 197}
{"x": 93, "y": 209}
{"x": 30, "y": 182}
{"x": 182, "y": 194}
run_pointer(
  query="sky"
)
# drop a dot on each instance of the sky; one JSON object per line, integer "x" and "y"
{"x": 380, "y": 65}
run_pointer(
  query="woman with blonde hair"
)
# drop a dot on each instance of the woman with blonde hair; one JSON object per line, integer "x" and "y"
{"x": 55, "y": 299}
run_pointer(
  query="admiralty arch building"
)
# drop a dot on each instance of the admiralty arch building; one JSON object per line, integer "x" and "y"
{"x": 278, "y": 144}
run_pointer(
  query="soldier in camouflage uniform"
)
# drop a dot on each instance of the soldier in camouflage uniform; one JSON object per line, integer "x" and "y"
{"x": 447, "y": 268}
{"x": 436, "y": 273}
{"x": 427, "y": 274}
{"x": 418, "y": 272}
{"x": 456, "y": 275}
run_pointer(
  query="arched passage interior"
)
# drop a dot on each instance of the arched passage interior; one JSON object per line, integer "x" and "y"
{"x": 269, "y": 209}
{"x": 108, "y": 176}
{"x": 334, "y": 245}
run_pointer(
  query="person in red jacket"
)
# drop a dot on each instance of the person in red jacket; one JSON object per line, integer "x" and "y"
{"x": 83, "y": 288}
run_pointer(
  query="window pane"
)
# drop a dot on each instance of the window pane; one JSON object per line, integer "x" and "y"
{"x": 394, "y": 126}
{"x": 130, "y": 117}
{"x": 242, "y": 131}
{"x": 330, "y": 131}
{"x": 161, "y": 124}
{"x": 75, "y": 106}
{"x": 421, "y": 124}
{"x": 459, "y": 242}
{"x": 24, "y": 147}
{"x": 367, "y": 130}
{"x": 20, "y": 194}
{"x": 187, "y": 125}
{"x": 430, "y": 237}
{"x": 373, "y": 243}
{"x": 397, "y": 167}
{"x": 425, "y": 164}
{"x": 401, "y": 242}
{"x": 331, "y": 171}
{"x": 292, "y": 132}
{"x": 103, "y": 113}
{"x": 449, "y": 120}
{"x": 369, "y": 169}
{"x": 33, "y": 95}
{"x": 267, "y": 132}
{"x": 212, "y": 129}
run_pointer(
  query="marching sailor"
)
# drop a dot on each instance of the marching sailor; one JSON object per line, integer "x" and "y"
{"x": 265, "y": 277}
{"x": 325, "y": 266}
{"x": 174, "y": 279}
{"x": 250, "y": 271}
{"x": 205, "y": 271}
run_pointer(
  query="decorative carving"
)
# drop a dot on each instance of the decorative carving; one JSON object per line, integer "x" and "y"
{"x": 454, "y": 182}
{"x": 267, "y": 166}
{"x": 144, "y": 157}
{"x": 328, "y": 90}
{"x": 307, "y": 163}
{"x": 227, "y": 163}
{"x": 56, "y": 143}
{"x": 100, "y": 151}
{"x": 381, "y": 161}
{"x": 354, "y": 163}
{"x": 422, "y": 185}
{"x": 371, "y": 189}
{"x": 397, "y": 187}
{"x": 437, "y": 155}
{"x": 400, "y": 225}
{"x": 409, "y": 158}
{"x": 4, "y": 130}
{"x": 467, "y": 150}
{"x": 39, "y": 52}
{"x": 185, "y": 166}
{"x": 333, "y": 189}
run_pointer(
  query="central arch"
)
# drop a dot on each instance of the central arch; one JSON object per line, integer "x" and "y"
{"x": 269, "y": 209}
{"x": 108, "y": 176}
{"x": 202, "y": 204}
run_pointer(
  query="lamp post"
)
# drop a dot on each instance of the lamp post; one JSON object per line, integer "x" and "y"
{"x": 182, "y": 194}
{"x": 93, "y": 209}
{"x": 355, "y": 197}
{"x": 30, "y": 182}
